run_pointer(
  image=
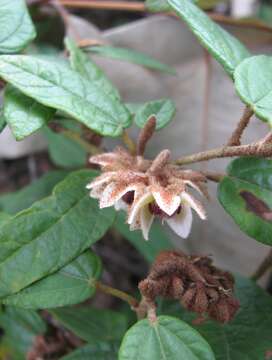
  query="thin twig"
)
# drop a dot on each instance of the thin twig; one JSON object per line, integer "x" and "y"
{"x": 137, "y": 6}
{"x": 227, "y": 151}
{"x": 265, "y": 265}
{"x": 106, "y": 5}
{"x": 237, "y": 134}
{"x": 213, "y": 176}
{"x": 129, "y": 142}
{"x": 117, "y": 293}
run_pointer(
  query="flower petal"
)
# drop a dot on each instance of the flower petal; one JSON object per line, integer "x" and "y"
{"x": 146, "y": 221}
{"x": 136, "y": 224}
{"x": 97, "y": 191}
{"x": 167, "y": 200}
{"x": 104, "y": 159}
{"x": 120, "y": 205}
{"x": 181, "y": 223}
{"x": 115, "y": 191}
{"x": 102, "y": 179}
{"x": 195, "y": 204}
{"x": 140, "y": 201}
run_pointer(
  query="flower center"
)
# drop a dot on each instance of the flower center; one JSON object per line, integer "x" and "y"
{"x": 157, "y": 211}
{"x": 128, "y": 197}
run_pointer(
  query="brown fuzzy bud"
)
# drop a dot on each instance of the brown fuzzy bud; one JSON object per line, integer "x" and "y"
{"x": 146, "y": 134}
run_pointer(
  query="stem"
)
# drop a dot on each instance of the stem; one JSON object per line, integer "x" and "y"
{"x": 265, "y": 265}
{"x": 117, "y": 293}
{"x": 236, "y": 136}
{"x": 137, "y": 6}
{"x": 213, "y": 176}
{"x": 129, "y": 142}
{"x": 227, "y": 151}
{"x": 90, "y": 148}
{"x": 106, "y": 5}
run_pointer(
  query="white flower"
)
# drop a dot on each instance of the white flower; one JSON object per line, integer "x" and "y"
{"x": 147, "y": 189}
{"x": 171, "y": 207}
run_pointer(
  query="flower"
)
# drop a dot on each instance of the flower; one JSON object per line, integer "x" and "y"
{"x": 148, "y": 189}
{"x": 172, "y": 205}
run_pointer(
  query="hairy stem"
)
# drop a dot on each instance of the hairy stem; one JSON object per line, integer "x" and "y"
{"x": 265, "y": 265}
{"x": 237, "y": 134}
{"x": 117, "y": 293}
{"x": 227, "y": 151}
{"x": 127, "y": 140}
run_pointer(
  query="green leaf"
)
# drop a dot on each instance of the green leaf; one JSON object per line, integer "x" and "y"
{"x": 246, "y": 194}
{"x": 17, "y": 29}
{"x": 21, "y": 327}
{"x": 132, "y": 56}
{"x": 163, "y": 6}
{"x": 3, "y": 217}
{"x": 63, "y": 151}
{"x": 23, "y": 114}
{"x": 165, "y": 338}
{"x": 253, "y": 83}
{"x": 19, "y": 200}
{"x": 157, "y": 5}
{"x": 72, "y": 284}
{"x": 248, "y": 336}
{"x": 3, "y": 122}
{"x": 42, "y": 239}
{"x": 82, "y": 63}
{"x": 55, "y": 85}
{"x": 163, "y": 109}
{"x": 96, "y": 351}
{"x": 91, "y": 324}
{"x": 225, "y": 48}
{"x": 149, "y": 249}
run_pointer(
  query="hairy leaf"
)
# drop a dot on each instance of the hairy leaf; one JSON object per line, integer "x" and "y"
{"x": 248, "y": 336}
{"x": 23, "y": 114}
{"x": 91, "y": 324}
{"x": 72, "y": 284}
{"x": 225, "y": 48}
{"x": 82, "y": 63}
{"x": 163, "y": 109}
{"x": 56, "y": 85}
{"x": 132, "y": 56}
{"x": 253, "y": 83}
{"x": 165, "y": 338}
{"x": 97, "y": 351}
{"x": 21, "y": 199}
{"x": 42, "y": 239}
{"x": 63, "y": 151}
{"x": 17, "y": 29}
{"x": 149, "y": 249}
{"x": 246, "y": 194}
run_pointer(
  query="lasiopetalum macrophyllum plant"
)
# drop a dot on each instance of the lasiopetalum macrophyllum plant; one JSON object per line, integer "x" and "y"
{"x": 70, "y": 237}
